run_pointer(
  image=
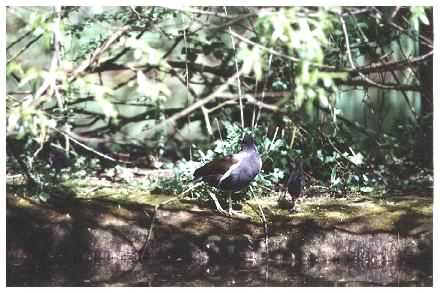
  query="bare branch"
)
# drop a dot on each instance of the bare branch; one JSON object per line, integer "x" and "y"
{"x": 19, "y": 52}
{"x": 19, "y": 39}
{"x": 74, "y": 137}
{"x": 393, "y": 65}
{"x": 276, "y": 53}
{"x": 238, "y": 75}
{"x": 196, "y": 105}
{"x": 350, "y": 59}
{"x": 86, "y": 63}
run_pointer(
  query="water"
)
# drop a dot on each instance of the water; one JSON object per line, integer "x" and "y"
{"x": 179, "y": 273}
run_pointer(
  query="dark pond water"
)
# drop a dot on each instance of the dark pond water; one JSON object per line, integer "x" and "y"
{"x": 178, "y": 273}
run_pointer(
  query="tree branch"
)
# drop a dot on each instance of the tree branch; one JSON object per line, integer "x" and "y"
{"x": 86, "y": 63}
{"x": 19, "y": 52}
{"x": 196, "y": 105}
{"x": 350, "y": 59}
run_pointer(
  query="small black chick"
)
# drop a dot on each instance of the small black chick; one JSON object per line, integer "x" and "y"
{"x": 295, "y": 186}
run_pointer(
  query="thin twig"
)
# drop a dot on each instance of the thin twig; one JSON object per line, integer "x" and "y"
{"x": 238, "y": 75}
{"x": 207, "y": 122}
{"x": 293, "y": 136}
{"x": 250, "y": 99}
{"x": 18, "y": 40}
{"x": 221, "y": 105}
{"x": 71, "y": 136}
{"x": 264, "y": 88}
{"x": 57, "y": 54}
{"x": 156, "y": 208}
{"x": 199, "y": 11}
{"x": 274, "y": 137}
{"x": 220, "y": 134}
{"x": 350, "y": 59}
{"x": 49, "y": 83}
{"x": 253, "y": 109}
{"x": 86, "y": 63}
{"x": 266, "y": 152}
{"x": 424, "y": 40}
{"x": 394, "y": 13}
{"x": 276, "y": 53}
{"x": 196, "y": 105}
{"x": 405, "y": 96}
{"x": 226, "y": 71}
{"x": 43, "y": 136}
{"x": 133, "y": 77}
{"x": 263, "y": 217}
{"x": 19, "y": 52}
{"x": 329, "y": 68}
{"x": 188, "y": 88}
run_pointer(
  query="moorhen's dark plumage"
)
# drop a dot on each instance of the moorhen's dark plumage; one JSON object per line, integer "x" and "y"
{"x": 295, "y": 185}
{"x": 58, "y": 159}
{"x": 233, "y": 172}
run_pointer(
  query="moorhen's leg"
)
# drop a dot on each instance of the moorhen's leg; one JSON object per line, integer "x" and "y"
{"x": 230, "y": 203}
{"x": 217, "y": 204}
{"x": 238, "y": 214}
{"x": 294, "y": 208}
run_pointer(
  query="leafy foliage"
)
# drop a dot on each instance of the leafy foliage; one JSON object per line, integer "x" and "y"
{"x": 137, "y": 80}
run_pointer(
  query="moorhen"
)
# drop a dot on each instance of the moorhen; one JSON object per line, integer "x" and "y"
{"x": 295, "y": 186}
{"x": 233, "y": 172}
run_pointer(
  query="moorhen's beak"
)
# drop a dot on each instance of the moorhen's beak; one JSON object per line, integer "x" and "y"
{"x": 233, "y": 172}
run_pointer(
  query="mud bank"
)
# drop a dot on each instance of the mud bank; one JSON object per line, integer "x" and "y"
{"x": 101, "y": 230}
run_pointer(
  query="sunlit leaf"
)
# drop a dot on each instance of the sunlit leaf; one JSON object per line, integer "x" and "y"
{"x": 106, "y": 106}
{"x": 366, "y": 189}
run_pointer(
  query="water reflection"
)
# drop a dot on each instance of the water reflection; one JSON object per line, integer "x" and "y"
{"x": 179, "y": 273}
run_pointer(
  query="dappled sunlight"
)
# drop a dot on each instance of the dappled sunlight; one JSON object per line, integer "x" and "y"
{"x": 219, "y": 145}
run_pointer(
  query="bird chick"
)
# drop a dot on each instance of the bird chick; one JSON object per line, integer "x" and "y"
{"x": 295, "y": 186}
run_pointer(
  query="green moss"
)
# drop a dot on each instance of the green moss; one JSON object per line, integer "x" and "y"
{"x": 358, "y": 214}
{"x": 24, "y": 203}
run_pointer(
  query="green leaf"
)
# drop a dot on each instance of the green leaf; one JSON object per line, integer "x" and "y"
{"x": 356, "y": 158}
{"x": 366, "y": 189}
{"x": 423, "y": 18}
{"x": 107, "y": 107}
